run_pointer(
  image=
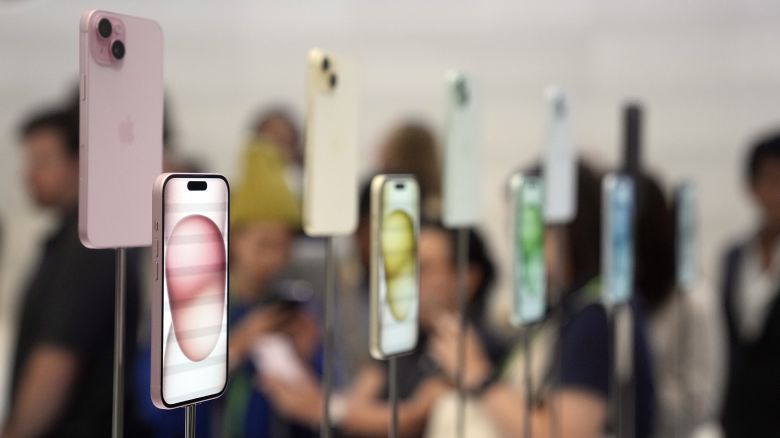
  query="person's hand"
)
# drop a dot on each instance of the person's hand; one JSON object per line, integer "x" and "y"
{"x": 300, "y": 400}
{"x": 257, "y": 323}
{"x": 444, "y": 348}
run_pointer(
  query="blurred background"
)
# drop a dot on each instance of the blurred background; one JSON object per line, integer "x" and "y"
{"x": 706, "y": 72}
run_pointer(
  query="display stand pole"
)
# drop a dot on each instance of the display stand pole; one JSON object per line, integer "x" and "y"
{"x": 678, "y": 428}
{"x": 528, "y": 383}
{"x": 393, "y": 384}
{"x": 622, "y": 405}
{"x": 462, "y": 266}
{"x": 328, "y": 317}
{"x": 613, "y": 407}
{"x": 189, "y": 421}
{"x": 556, "y": 292}
{"x": 117, "y": 416}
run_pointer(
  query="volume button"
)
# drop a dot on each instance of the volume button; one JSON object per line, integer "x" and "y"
{"x": 83, "y": 87}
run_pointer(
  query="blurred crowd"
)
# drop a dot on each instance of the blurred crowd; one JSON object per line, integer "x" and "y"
{"x": 692, "y": 366}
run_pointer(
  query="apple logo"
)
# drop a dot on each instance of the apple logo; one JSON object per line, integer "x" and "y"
{"x": 126, "y": 131}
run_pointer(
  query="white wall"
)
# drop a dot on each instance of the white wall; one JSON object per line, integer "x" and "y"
{"x": 707, "y": 71}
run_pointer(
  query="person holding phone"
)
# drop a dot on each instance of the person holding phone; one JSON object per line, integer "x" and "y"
{"x": 571, "y": 351}
{"x": 363, "y": 409}
{"x": 750, "y": 293}
{"x": 62, "y": 368}
{"x": 270, "y": 332}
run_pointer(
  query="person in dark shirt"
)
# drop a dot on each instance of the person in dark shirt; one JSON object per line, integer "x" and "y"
{"x": 750, "y": 294}
{"x": 572, "y": 349}
{"x": 62, "y": 369}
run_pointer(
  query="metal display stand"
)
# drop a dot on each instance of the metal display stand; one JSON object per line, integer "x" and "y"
{"x": 462, "y": 266}
{"x": 528, "y": 383}
{"x": 329, "y": 328}
{"x": 117, "y": 414}
{"x": 393, "y": 384}
{"x": 189, "y": 421}
{"x": 622, "y": 388}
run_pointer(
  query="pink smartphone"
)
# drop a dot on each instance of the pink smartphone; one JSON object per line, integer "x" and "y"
{"x": 189, "y": 295}
{"x": 121, "y": 116}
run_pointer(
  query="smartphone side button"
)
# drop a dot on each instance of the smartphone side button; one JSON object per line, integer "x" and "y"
{"x": 156, "y": 271}
{"x": 83, "y": 87}
{"x": 156, "y": 249}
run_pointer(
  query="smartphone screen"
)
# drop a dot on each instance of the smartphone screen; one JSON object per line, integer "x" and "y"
{"x": 194, "y": 267}
{"x": 396, "y": 264}
{"x": 529, "y": 301}
{"x": 685, "y": 204}
{"x": 617, "y": 232}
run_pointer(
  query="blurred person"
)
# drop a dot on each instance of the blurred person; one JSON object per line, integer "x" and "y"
{"x": 277, "y": 126}
{"x": 412, "y": 148}
{"x": 264, "y": 313}
{"x": 363, "y": 410}
{"x": 63, "y": 365}
{"x": 679, "y": 327}
{"x": 571, "y": 351}
{"x": 751, "y": 305}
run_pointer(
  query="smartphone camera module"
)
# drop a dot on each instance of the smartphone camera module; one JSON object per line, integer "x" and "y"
{"x": 560, "y": 106}
{"x": 333, "y": 81}
{"x": 462, "y": 92}
{"x": 104, "y": 28}
{"x": 107, "y": 40}
{"x": 325, "y": 64}
{"x": 118, "y": 49}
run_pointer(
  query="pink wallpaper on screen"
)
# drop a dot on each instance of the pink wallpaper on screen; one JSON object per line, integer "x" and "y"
{"x": 194, "y": 284}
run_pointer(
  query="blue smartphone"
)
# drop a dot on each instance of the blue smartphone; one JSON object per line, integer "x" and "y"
{"x": 527, "y": 231}
{"x": 617, "y": 251}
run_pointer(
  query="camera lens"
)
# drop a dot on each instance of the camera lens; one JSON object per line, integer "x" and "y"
{"x": 333, "y": 81}
{"x": 118, "y": 49}
{"x": 325, "y": 63}
{"x": 104, "y": 28}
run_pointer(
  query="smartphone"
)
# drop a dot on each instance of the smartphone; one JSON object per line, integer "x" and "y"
{"x": 330, "y": 162}
{"x": 527, "y": 234}
{"x": 560, "y": 162}
{"x": 189, "y": 300}
{"x": 686, "y": 219}
{"x": 121, "y": 119}
{"x": 617, "y": 232}
{"x": 461, "y": 152}
{"x": 395, "y": 284}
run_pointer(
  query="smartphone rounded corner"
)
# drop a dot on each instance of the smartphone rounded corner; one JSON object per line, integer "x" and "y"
{"x": 84, "y": 235}
{"x": 311, "y": 229}
{"x": 351, "y": 226}
{"x": 376, "y": 353}
{"x": 158, "y": 30}
{"x": 217, "y": 394}
{"x": 85, "y": 18}
{"x": 157, "y": 399}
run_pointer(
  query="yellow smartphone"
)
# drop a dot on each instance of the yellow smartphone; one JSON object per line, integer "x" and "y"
{"x": 395, "y": 285}
{"x": 330, "y": 164}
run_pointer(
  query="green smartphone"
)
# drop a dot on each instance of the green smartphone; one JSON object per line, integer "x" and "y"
{"x": 527, "y": 231}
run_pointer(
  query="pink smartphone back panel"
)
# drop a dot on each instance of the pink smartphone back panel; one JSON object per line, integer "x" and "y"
{"x": 121, "y": 130}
